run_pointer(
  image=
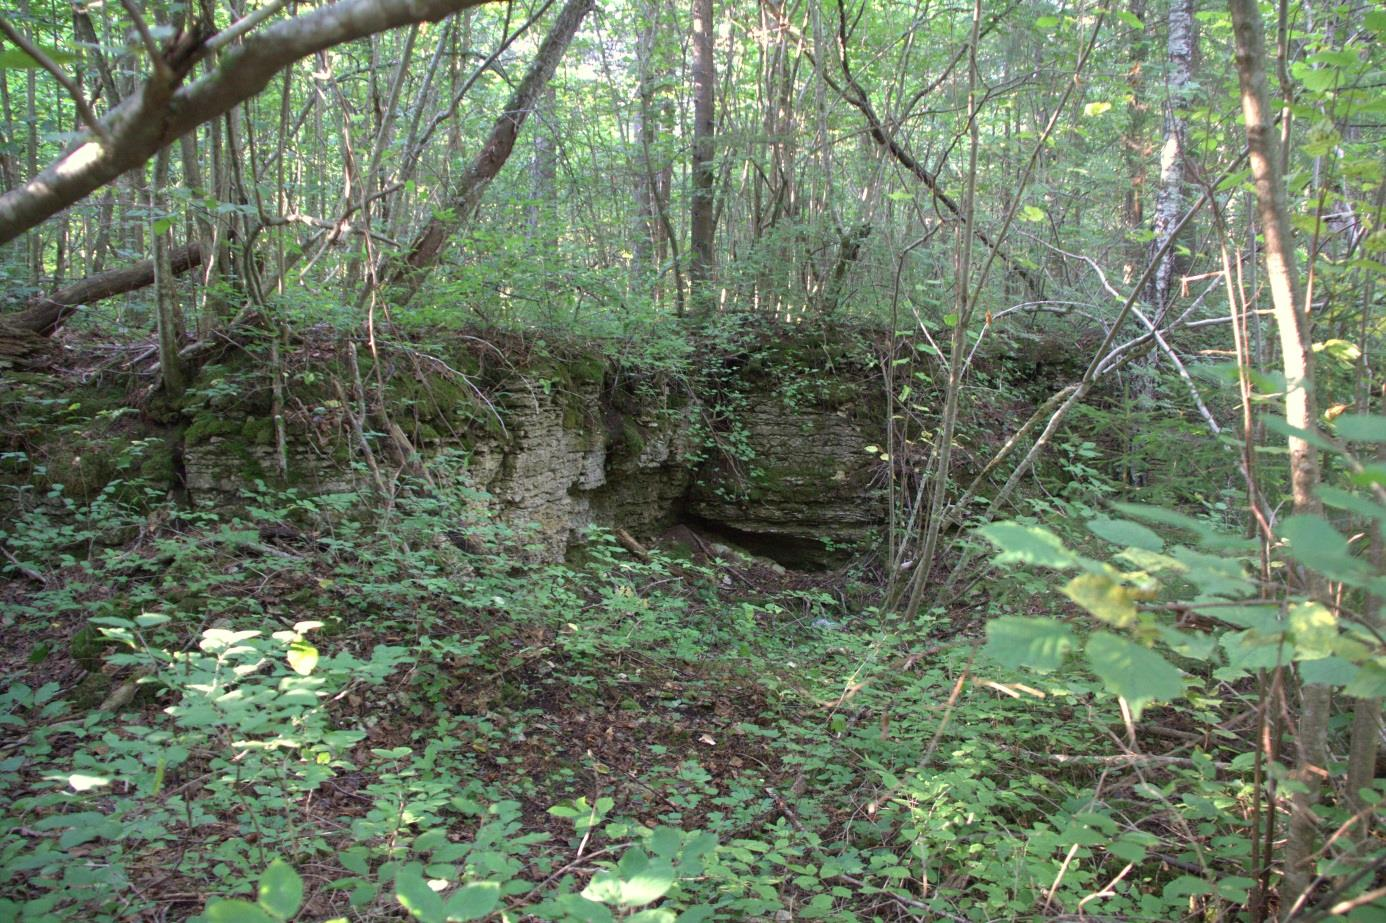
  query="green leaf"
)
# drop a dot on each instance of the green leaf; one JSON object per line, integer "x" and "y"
{"x": 1031, "y": 214}
{"x": 1105, "y": 598}
{"x": 649, "y": 884}
{"x": 281, "y": 890}
{"x": 1028, "y": 545}
{"x": 1314, "y": 629}
{"x": 1278, "y": 425}
{"x": 16, "y": 59}
{"x": 1329, "y": 671}
{"x": 1319, "y": 547}
{"x": 1126, "y": 533}
{"x": 150, "y": 619}
{"x": 652, "y": 916}
{"x": 583, "y": 909}
{"x": 1135, "y": 673}
{"x": 303, "y": 657}
{"x": 1340, "y": 499}
{"x": 1370, "y": 682}
{"x": 1037, "y": 643}
{"x": 1127, "y": 850}
{"x": 236, "y": 911}
{"x": 473, "y": 901}
{"x": 1096, "y": 108}
{"x": 414, "y": 894}
{"x": 1361, "y": 427}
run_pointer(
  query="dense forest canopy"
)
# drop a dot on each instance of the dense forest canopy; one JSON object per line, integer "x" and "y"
{"x": 673, "y": 461}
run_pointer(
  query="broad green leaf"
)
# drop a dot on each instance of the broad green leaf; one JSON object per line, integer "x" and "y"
{"x": 1037, "y": 643}
{"x": 1126, "y": 533}
{"x": 1340, "y": 499}
{"x": 414, "y": 894}
{"x": 1361, "y": 427}
{"x": 1137, "y": 674}
{"x": 303, "y": 657}
{"x": 605, "y": 887}
{"x": 1105, "y": 598}
{"x": 236, "y": 911}
{"x": 1031, "y": 214}
{"x": 281, "y": 890}
{"x": 473, "y": 901}
{"x": 1194, "y": 645}
{"x": 1028, "y": 545}
{"x": 1264, "y": 619}
{"x": 1278, "y": 425}
{"x": 1319, "y": 547}
{"x": 1214, "y": 575}
{"x": 1096, "y": 108}
{"x": 16, "y": 59}
{"x": 1314, "y": 629}
{"x": 1247, "y": 650}
{"x": 665, "y": 842}
{"x": 150, "y": 619}
{"x": 1209, "y": 536}
{"x": 649, "y": 884}
{"x": 1370, "y": 476}
{"x": 1329, "y": 671}
{"x": 1370, "y": 682}
{"x": 583, "y": 909}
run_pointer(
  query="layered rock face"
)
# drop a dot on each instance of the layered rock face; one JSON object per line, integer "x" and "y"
{"x": 805, "y": 488}
{"x": 799, "y": 490}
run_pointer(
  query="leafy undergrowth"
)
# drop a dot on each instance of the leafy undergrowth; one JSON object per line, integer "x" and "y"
{"x": 301, "y": 713}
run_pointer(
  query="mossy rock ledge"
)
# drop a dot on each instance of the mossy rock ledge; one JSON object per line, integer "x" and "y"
{"x": 572, "y": 455}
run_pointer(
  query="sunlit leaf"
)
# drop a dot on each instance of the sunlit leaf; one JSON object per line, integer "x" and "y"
{"x": 414, "y": 894}
{"x": 303, "y": 657}
{"x": 1105, "y": 598}
{"x": 1314, "y": 630}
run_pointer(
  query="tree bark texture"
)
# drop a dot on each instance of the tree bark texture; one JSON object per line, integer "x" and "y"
{"x": 701, "y": 214}
{"x": 1263, "y": 146}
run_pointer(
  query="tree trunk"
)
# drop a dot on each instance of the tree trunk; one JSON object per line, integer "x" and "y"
{"x": 701, "y": 215}
{"x": 168, "y": 315}
{"x": 466, "y": 194}
{"x": 1263, "y": 146}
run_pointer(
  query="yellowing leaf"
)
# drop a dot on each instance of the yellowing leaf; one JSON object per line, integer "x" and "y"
{"x": 303, "y": 657}
{"x": 1097, "y": 108}
{"x": 1104, "y": 598}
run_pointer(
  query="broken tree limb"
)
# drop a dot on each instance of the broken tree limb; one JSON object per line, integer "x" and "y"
{"x": 45, "y": 313}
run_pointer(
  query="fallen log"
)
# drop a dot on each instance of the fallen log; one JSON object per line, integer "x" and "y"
{"x": 44, "y": 314}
